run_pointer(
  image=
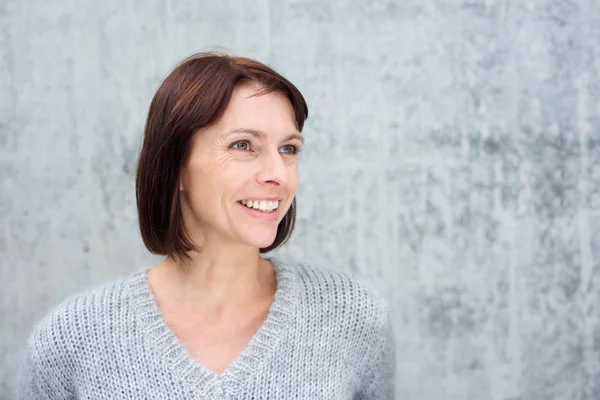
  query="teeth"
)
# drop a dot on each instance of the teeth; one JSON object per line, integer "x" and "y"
{"x": 262, "y": 205}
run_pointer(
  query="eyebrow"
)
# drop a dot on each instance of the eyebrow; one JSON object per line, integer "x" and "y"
{"x": 261, "y": 135}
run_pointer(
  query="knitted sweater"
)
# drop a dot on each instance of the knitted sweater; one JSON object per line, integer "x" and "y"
{"x": 327, "y": 336}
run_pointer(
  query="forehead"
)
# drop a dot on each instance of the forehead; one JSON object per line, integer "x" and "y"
{"x": 248, "y": 108}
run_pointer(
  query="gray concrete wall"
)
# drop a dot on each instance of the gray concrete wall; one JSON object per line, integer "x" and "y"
{"x": 453, "y": 158}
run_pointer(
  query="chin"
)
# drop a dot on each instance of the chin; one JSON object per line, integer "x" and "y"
{"x": 261, "y": 244}
{"x": 260, "y": 241}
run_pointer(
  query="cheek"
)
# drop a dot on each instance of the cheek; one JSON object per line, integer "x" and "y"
{"x": 199, "y": 185}
{"x": 206, "y": 172}
{"x": 292, "y": 183}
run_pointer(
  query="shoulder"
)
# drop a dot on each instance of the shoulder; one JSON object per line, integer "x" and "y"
{"x": 342, "y": 294}
{"x": 340, "y": 285}
{"x": 86, "y": 305}
{"x": 68, "y": 336}
{"x": 64, "y": 330}
{"x": 357, "y": 315}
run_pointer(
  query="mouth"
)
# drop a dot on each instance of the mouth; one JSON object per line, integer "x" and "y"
{"x": 266, "y": 206}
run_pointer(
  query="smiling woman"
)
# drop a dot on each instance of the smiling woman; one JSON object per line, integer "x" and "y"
{"x": 216, "y": 185}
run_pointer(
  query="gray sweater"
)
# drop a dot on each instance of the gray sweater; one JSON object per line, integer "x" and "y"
{"x": 327, "y": 336}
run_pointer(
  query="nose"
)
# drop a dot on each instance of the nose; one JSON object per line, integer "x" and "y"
{"x": 273, "y": 169}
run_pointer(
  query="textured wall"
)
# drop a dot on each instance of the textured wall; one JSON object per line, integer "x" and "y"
{"x": 453, "y": 157}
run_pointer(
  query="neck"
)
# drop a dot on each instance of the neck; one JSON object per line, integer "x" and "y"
{"x": 216, "y": 280}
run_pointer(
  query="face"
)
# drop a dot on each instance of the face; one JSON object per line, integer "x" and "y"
{"x": 242, "y": 172}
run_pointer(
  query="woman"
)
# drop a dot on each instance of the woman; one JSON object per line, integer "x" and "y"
{"x": 216, "y": 181}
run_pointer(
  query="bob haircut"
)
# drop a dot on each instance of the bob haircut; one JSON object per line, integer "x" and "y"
{"x": 193, "y": 96}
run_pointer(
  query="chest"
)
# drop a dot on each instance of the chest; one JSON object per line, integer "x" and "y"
{"x": 216, "y": 342}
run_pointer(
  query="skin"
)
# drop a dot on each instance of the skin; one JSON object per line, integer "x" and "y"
{"x": 215, "y": 303}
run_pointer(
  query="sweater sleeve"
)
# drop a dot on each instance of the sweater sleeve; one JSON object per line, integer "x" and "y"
{"x": 382, "y": 384}
{"x": 42, "y": 375}
{"x": 31, "y": 382}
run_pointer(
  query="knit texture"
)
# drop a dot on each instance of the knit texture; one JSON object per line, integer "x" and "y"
{"x": 327, "y": 336}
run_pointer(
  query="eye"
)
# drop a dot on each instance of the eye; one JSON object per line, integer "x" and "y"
{"x": 242, "y": 145}
{"x": 291, "y": 149}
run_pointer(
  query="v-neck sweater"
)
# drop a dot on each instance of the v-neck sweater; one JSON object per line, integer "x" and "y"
{"x": 327, "y": 335}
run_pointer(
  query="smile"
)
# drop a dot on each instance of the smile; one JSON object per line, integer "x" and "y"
{"x": 262, "y": 205}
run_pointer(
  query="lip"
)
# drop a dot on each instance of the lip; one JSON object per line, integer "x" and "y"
{"x": 272, "y": 216}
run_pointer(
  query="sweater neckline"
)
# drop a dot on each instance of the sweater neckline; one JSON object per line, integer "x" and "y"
{"x": 198, "y": 378}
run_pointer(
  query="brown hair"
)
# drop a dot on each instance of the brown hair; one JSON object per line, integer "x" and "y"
{"x": 193, "y": 96}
